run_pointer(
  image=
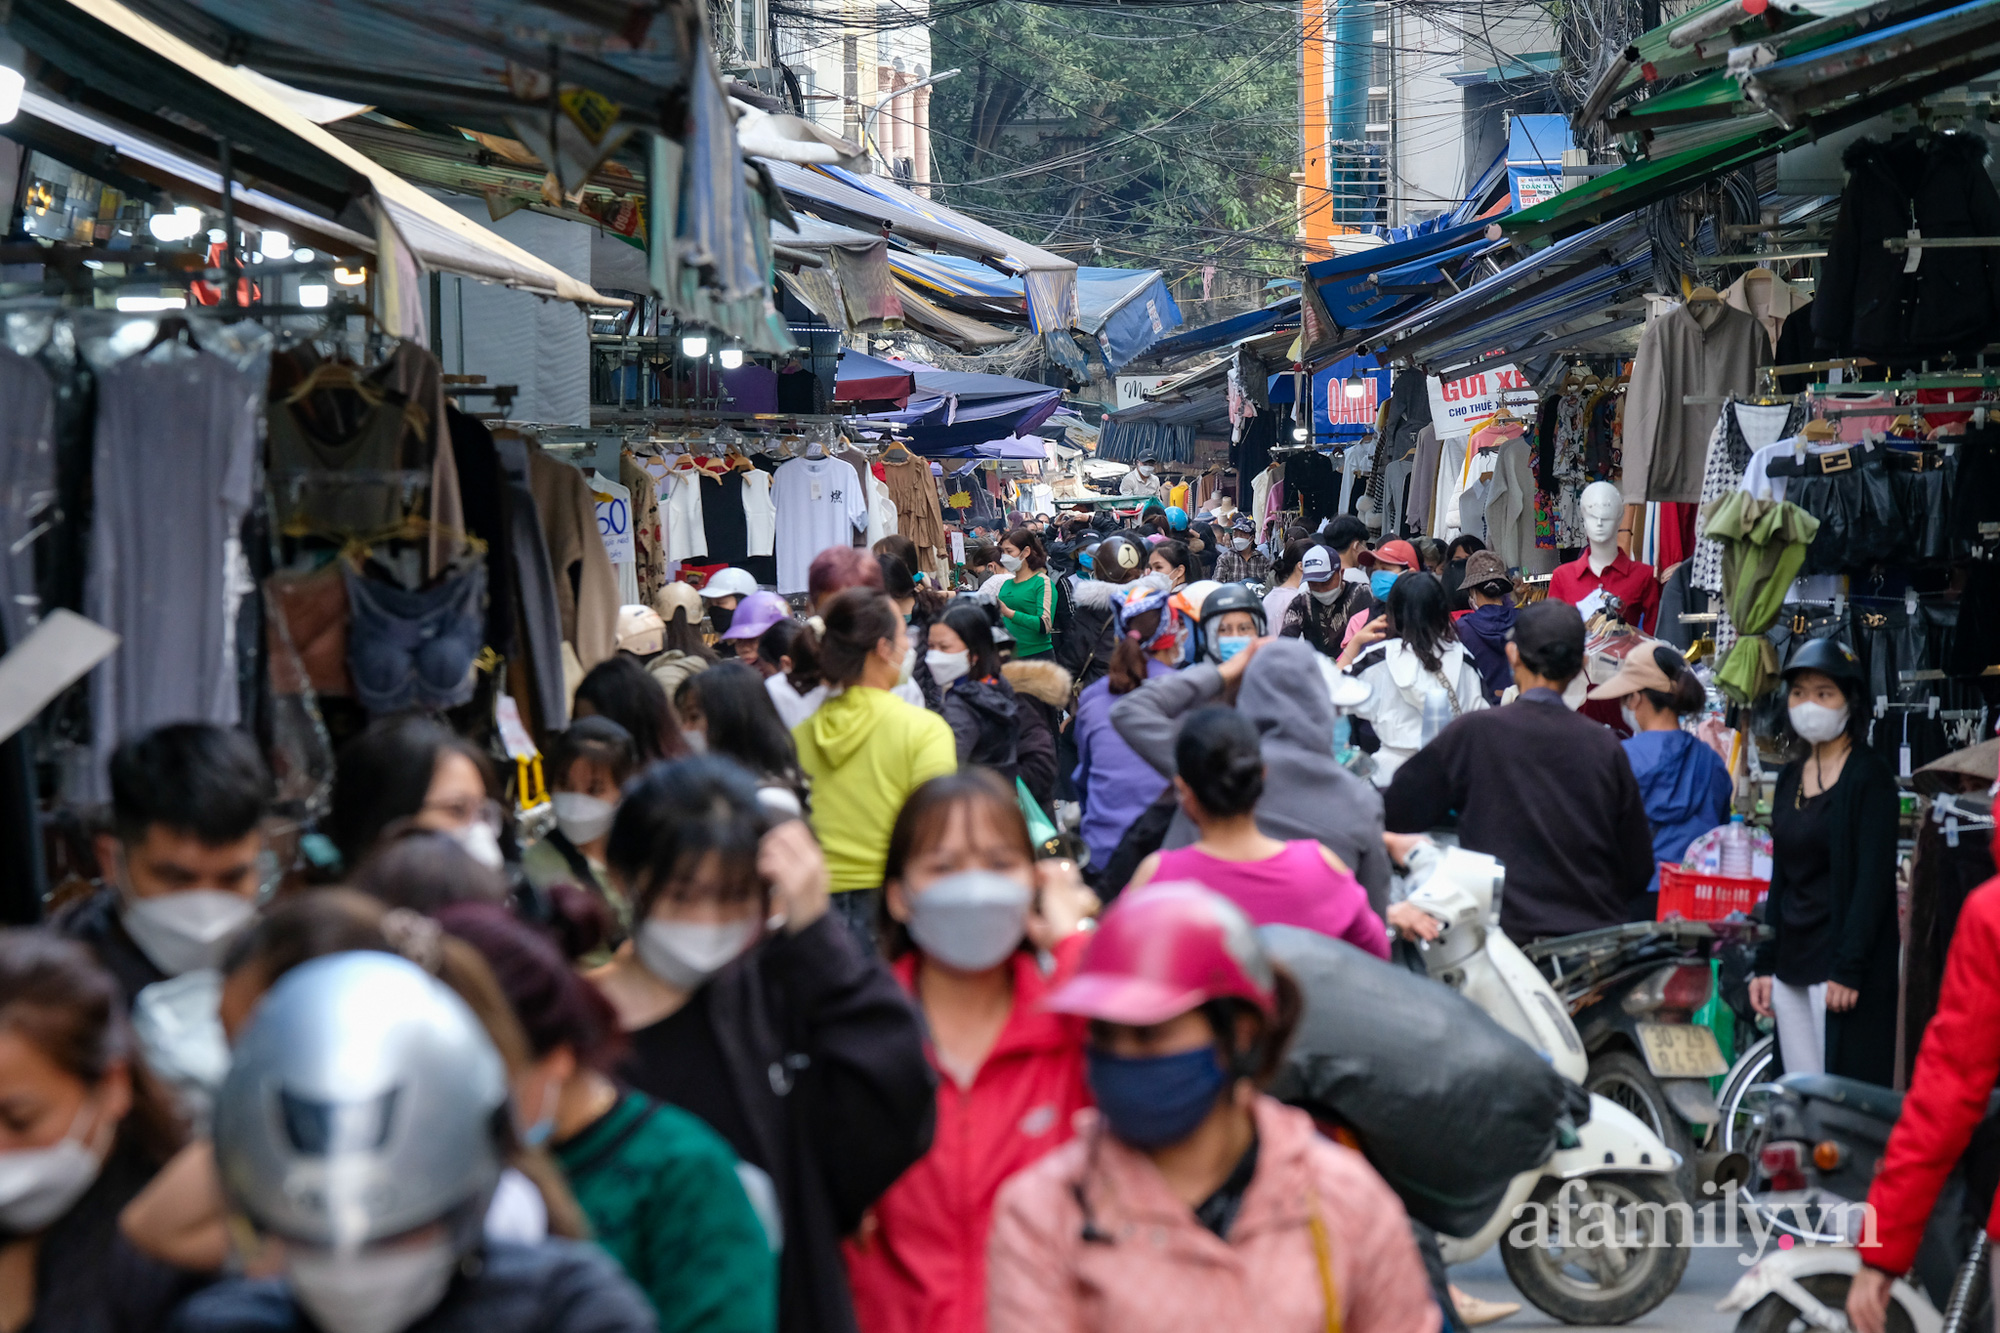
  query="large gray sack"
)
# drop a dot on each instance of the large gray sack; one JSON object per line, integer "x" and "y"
{"x": 1446, "y": 1104}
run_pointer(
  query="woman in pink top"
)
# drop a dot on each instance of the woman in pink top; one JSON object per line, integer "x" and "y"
{"x": 1220, "y": 778}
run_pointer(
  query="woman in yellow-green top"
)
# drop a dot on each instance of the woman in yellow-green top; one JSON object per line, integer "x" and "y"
{"x": 1028, "y": 599}
{"x": 864, "y": 749}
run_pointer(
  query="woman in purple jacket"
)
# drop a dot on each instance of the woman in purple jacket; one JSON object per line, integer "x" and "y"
{"x": 1115, "y": 784}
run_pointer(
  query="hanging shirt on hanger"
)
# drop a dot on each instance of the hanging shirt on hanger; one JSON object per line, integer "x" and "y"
{"x": 760, "y": 516}
{"x": 687, "y": 538}
{"x": 174, "y": 467}
{"x": 881, "y": 507}
{"x": 1711, "y": 351}
{"x": 614, "y": 525}
{"x": 819, "y": 504}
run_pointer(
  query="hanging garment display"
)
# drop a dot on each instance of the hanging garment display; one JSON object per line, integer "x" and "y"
{"x": 176, "y": 434}
{"x": 760, "y": 516}
{"x": 27, "y": 485}
{"x": 1974, "y": 526}
{"x": 415, "y": 648}
{"x": 651, "y": 549}
{"x": 687, "y": 535}
{"x": 586, "y": 585}
{"x": 354, "y": 481}
{"x": 918, "y": 517}
{"x": 1740, "y": 430}
{"x": 819, "y": 505}
{"x": 539, "y": 688}
{"x": 882, "y": 517}
{"x": 1763, "y": 545}
{"x": 612, "y": 510}
{"x": 1906, "y": 304}
{"x": 1768, "y": 299}
{"x": 308, "y": 631}
{"x": 1707, "y": 351}
{"x": 486, "y": 496}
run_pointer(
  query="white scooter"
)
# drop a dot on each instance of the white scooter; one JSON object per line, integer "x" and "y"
{"x": 1633, "y": 1257}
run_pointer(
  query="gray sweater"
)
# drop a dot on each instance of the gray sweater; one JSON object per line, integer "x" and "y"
{"x": 1306, "y": 794}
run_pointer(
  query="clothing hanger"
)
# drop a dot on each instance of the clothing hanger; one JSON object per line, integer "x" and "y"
{"x": 173, "y": 328}
{"x": 1820, "y": 429}
{"x": 896, "y": 453}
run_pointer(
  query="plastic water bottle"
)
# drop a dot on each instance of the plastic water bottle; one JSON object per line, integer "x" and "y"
{"x": 1437, "y": 715}
{"x": 1736, "y": 852}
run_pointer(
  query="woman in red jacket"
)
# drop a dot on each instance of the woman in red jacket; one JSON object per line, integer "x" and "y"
{"x": 1957, "y": 1066}
{"x": 974, "y": 927}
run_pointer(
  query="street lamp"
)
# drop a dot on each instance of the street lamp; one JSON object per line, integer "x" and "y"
{"x": 868, "y": 116}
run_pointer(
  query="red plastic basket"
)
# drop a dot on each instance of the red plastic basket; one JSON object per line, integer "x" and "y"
{"x": 1693, "y": 896}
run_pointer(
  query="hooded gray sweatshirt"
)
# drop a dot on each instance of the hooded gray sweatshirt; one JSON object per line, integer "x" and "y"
{"x": 1306, "y": 794}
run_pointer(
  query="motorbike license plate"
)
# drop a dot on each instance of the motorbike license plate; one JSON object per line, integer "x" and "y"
{"x": 1676, "y": 1050}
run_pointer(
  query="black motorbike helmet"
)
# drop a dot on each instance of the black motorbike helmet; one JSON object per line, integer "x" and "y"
{"x": 1229, "y": 597}
{"x": 1829, "y": 657}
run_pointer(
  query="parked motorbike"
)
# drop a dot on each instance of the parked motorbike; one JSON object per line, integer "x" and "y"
{"x": 1817, "y": 1141}
{"x": 1632, "y": 991}
{"x": 1577, "y": 1274}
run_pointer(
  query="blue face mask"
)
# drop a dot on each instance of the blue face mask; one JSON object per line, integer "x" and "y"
{"x": 1087, "y": 560}
{"x": 1153, "y": 1101}
{"x": 1381, "y": 581}
{"x": 1228, "y": 648}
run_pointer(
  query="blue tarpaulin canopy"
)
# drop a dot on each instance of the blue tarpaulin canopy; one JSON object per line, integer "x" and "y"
{"x": 1278, "y": 314}
{"x": 1126, "y": 309}
{"x": 957, "y": 410}
{"x": 1344, "y": 283}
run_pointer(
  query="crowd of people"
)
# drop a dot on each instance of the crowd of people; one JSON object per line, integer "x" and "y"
{"x": 886, "y": 963}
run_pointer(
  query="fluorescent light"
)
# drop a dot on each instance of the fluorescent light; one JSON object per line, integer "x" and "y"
{"x": 274, "y": 245}
{"x": 312, "y": 294}
{"x": 303, "y": 255}
{"x": 350, "y": 277}
{"x": 148, "y": 304}
{"x": 12, "y": 84}
{"x": 694, "y": 344}
{"x": 730, "y": 357}
{"x": 180, "y": 225}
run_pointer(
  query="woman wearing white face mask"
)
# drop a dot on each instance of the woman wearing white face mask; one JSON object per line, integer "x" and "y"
{"x": 746, "y": 1002}
{"x": 410, "y": 772}
{"x": 82, "y": 1128}
{"x": 728, "y": 711}
{"x": 1829, "y": 977}
{"x": 990, "y": 726}
{"x": 586, "y": 765}
{"x": 978, "y": 932}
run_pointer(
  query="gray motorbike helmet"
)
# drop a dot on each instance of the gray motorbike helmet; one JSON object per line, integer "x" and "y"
{"x": 1229, "y": 597}
{"x": 364, "y": 1101}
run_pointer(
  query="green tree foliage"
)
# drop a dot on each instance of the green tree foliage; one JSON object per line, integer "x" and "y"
{"x": 1142, "y": 136}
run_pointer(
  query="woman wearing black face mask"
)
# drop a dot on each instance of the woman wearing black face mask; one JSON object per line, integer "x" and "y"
{"x": 745, "y": 1002}
{"x": 1193, "y": 1202}
{"x": 970, "y": 917}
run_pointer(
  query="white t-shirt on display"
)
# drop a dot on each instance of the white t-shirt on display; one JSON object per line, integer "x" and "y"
{"x": 819, "y": 504}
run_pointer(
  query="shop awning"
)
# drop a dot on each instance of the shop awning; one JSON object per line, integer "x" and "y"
{"x": 1346, "y": 287}
{"x": 873, "y": 203}
{"x": 1207, "y": 337}
{"x": 1127, "y": 310}
{"x": 1628, "y": 187}
{"x": 848, "y": 281}
{"x": 866, "y": 379}
{"x": 1953, "y": 39}
{"x": 126, "y": 73}
{"x": 949, "y": 326}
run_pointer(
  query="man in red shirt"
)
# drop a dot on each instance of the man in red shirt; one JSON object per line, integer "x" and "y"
{"x": 1957, "y": 1066}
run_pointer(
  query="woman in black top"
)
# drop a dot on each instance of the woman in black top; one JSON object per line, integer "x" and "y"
{"x": 83, "y": 1127}
{"x": 798, "y": 1048}
{"x": 1828, "y": 977}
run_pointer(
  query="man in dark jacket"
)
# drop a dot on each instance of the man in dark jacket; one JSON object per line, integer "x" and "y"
{"x": 180, "y": 866}
{"x": 1485, "y": 631}
{"x": 1327, "y": 601}
{"x": 1545, "y": 790}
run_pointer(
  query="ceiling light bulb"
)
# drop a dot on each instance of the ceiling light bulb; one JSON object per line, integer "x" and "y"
{"x": 694, "y": 344}
{"x": 165, "y": 227}
{"x": 12, "y": 85}
{"x": 730, "y": 357}
{"x": 312, "y": 294}
{"x": 303, "y": 255}
{"x": 350, "y": 277}
{"x": 1356, "y": 386}
{"x": 1298, "y": 432}
{"x": 216, "y": 236}
{"x": 274, "y": 245}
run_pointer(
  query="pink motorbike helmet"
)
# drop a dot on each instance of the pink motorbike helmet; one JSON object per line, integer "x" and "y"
{"x": 1166, "y": 949}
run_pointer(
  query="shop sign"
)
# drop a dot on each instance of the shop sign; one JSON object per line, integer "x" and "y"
{"x": 1132, "y": 389}
{"x": 1459, "y": 406}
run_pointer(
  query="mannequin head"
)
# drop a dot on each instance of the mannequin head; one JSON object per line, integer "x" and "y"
{"x": 1603, "y": 505}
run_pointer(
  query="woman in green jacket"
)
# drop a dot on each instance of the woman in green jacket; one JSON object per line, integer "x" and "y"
{"x": 1028, "y": 598}
{"x": 664, "y": 1193}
